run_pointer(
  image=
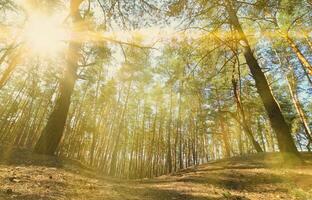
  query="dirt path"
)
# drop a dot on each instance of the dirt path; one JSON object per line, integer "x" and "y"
{"x": 241, "y": 179}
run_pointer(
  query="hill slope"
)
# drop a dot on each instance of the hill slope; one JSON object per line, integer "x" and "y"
{"x": 25, "y": 176}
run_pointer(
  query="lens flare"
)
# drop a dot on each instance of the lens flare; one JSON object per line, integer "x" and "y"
{"x": 44, "y": 35}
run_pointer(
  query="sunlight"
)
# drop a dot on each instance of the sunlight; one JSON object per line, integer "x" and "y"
{"x": 44, "y": 35}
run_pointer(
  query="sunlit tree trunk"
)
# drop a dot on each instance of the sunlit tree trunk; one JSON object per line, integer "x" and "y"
{"x": 245, "y": 125}
{"x": 113, "y": 166}
{"x": 279, "y": 125}
{"x": 260, "y": 133}
{"x": 10, "y": 68}
{"x": 302, "y": 59}
{"x": 53, "y": 131}
{"x": 306, "y": 36}
{"x": 95, "y": 124}
{"x": 169, "y": 157}
{"x": 179, "y": 130}
{"x": 10, "y": 109}
{"x": 224, "y": 132}
{"x": 291, "y": 82}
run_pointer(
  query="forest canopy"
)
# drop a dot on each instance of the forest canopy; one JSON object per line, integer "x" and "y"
{"x": 141, "y": 88}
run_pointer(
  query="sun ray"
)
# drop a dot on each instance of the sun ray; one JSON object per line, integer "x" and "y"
{"x": 44, "y": 35}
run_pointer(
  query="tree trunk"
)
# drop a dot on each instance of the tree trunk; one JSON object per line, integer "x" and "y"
{"x": 169, "y": 157}
{"x": 10, "y": 68}
{"x": 96, "y": 124}
{"x": 224, "y": 132}
{"x": 278, "y": 123}
{"x": 179, "y": 131}
{"x": 245, "y": 125}
{"x": 53, "y": 131}
{"x": 112, "y": 171}
{"x": 291, "y": 82}
{"x": 306, "y": 37}
{"x": 304, "y": 62}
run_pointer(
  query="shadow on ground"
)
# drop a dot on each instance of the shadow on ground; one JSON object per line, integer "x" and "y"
{"x": 28, "y": 176}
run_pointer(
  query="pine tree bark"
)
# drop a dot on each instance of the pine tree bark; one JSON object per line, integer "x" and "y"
{"x": 113, "y": 166}
{"x": 291, "y": 82}
{"x": 53, "y": 131}
{"x": 224, "y": 132}
{"x": 169, "y": 157}
{"x": 245, "y": 125}
{"x": 302, "y": 59}
{"x": 9, "y": 69}
{"x": 306, "y": 37}
{"x": 285, "y": 141}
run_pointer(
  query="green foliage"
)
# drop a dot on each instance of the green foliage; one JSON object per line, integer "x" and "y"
{"x": 138, "y": 109}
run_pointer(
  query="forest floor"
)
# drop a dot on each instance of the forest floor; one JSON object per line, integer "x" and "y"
{"x": 26, "y": 176}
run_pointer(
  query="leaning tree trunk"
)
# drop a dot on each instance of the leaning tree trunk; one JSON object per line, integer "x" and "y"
{"x": 307, "y": 67}
{"x": 285, "y": 141}
{"x": 10, "y": 68}
{"x": 53, "y": 131}
{"x": 245, "y": 125}
{"x": 291, "y": 82}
